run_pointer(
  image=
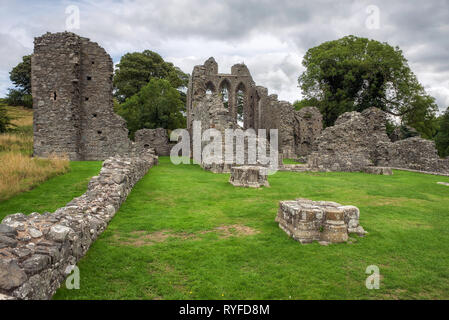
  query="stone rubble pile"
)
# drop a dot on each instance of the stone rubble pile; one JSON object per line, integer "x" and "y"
{"x": 328, "y": 222}
{"x": 38, "y": 250}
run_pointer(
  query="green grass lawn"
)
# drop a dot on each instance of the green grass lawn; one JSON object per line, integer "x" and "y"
{"x": 53, "y": 193}
{"x": 164, "y": 242}
{"x": 185, "y": 233}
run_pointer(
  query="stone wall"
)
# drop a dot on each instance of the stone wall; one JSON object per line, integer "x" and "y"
{"x": 71, "y": 80}
{"x": 417, "y": 154}
{"x": 37, "y": 251}
{"x": 154, "y": 138}
{"x": 359, "y": 140}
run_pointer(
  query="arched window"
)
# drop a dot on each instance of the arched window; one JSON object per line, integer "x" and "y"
{"x": 240, "y": 96}
{"x": 224, "y": 92}
{"x": 210, "y": 88}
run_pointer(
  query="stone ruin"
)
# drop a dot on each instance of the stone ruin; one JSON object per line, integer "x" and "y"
{"x": 153, "y": 138}
{"x": 71, "y": 80}
{"x": 73, "y": 115}
{"x": 249, "y": 176}
{"x": 245, "y": 105}
{"x": 359, "y": 140}
{"x": 328, "y": 222}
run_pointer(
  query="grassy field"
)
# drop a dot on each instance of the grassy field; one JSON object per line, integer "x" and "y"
{"x": 185, "y": 233}
{"x": 18, "y": 170}
{"x": 53, "y": 193}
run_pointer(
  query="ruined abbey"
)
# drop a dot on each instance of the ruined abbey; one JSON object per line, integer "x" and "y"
{"x": 73, "y": 116}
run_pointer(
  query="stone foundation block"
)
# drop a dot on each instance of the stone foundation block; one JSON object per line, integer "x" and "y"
{"x": 325, "y": 221}
{"x": 249, "y": 176}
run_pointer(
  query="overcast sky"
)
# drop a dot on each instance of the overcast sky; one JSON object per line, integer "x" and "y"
{"x": 271, "y": 37}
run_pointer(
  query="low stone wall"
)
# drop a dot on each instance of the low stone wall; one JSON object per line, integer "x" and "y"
{"x": 37, "y": 251}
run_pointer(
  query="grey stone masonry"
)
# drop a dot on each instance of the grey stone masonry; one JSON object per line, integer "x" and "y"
{"x": 153, "y": 138}
{"x": 359, "y": 140}
{"x": 249, "y": 176}
{"x": 37, "y": 251}
{"x": 306, "y": 220}
{"x": 71, "y": 80}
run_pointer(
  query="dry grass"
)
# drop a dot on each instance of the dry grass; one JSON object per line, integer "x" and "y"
{"x": 20, "y": 172}
{"x": 20, "y": 116}
{"x": 16, "y": 142}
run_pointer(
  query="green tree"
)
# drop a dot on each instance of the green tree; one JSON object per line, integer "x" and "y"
{"x": 136, "y": 69}
{"x": 442, "y": 138}
{"x": 156, "y": 105}
{"x": 352, "y": 74}
{"x": 20, "y": 76}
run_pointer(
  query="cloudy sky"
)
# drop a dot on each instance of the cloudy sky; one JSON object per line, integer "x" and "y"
{"x": 271, "y": 37}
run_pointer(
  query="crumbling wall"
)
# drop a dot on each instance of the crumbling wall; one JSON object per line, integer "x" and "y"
{"x": 153, "y": 138}
{"x": 72, "y": 99}
{"x": 352, "y": 143}
{"x": 417, "y": 154}
{"x": 358, "y": 140}
{"x": 308, "y": 128}
{"x": 38, "y": 251}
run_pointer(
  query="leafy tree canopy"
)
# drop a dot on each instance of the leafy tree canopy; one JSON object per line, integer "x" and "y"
{"x": 157, "y": 104}
{"x": 136, "y": 69}
{"x": 352, "y": 74}
{"x": 20, "y": 75}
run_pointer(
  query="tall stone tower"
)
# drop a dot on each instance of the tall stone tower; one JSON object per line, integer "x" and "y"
{"x": 71, "y": 80}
